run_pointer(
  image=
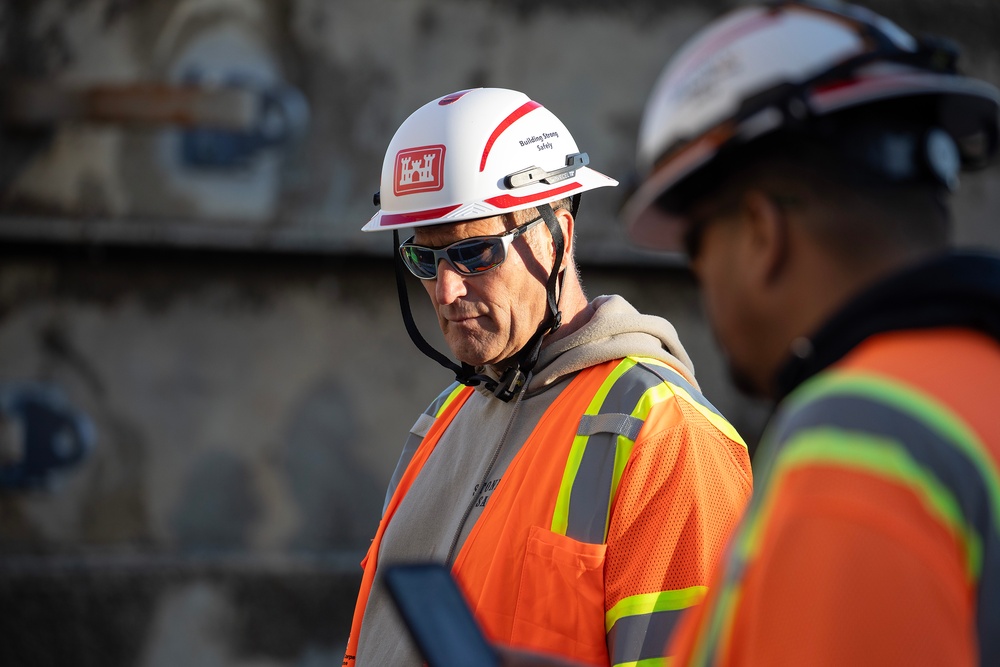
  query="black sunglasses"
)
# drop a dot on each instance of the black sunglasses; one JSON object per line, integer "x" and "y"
{"x": 470, "y": 257}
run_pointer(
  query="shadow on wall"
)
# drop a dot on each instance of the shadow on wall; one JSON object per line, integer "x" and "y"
{"x": 218, "y": 505}
{"x": 339, "y": 499}
{"x": 214, "y": 601}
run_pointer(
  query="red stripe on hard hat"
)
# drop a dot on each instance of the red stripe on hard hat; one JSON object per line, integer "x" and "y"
{"x": 454, "y": 97}
{"x": 393, "y": 219}
{"x": 507, "y": 122}
{"x": 508, "y": 201}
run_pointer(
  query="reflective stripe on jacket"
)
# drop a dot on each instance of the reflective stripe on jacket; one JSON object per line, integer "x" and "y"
{"x": 875, "y": 537}
{"x": 539, "y": 566}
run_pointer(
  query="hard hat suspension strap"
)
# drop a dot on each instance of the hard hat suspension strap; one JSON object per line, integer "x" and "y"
{"x": 554, "y": 319}
{"x": 518, "y": 373}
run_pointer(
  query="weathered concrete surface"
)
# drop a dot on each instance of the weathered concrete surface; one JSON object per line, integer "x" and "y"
{"x": 169, "y": 612}
{"x": 364, "y": 66}
{"x": 250, "y": 405}
{"x": 249, "y": 408}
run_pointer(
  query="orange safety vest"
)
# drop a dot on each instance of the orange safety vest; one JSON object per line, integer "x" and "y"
{"x": 875, "y": 536}
{"x": 523, "y": 536}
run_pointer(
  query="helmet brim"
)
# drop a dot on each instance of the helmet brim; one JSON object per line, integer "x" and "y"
{"x": 652, "y": 223}
{"x": 584, "y": 179}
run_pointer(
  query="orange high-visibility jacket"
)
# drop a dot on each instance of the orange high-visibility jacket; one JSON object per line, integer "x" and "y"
{"x": 875, "y": 535}
{"x": 607, "y": 522}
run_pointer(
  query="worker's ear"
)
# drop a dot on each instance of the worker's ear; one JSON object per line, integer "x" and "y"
{"x": 768, "y": 236}
{"x": 566, "y": 222}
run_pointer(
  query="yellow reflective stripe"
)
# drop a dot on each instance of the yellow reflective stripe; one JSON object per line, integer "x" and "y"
{"x": 883, "y": 458}
{"x": 714, "y": 418}
{"x": 915, "y": 402}
{"x": 663, "y": 391}
{"x": 718, "y": 422}
{"x": 609, "y": 382}
{"x": 451, "y": 397}
{"x": 652, "y": 361}
{"x": 648, "y": 662}
{"x": 560, "y": 515}
{"x": 713, "y": 644}
{"x": 657, "y": 394}
{"x": 648, "y": 603}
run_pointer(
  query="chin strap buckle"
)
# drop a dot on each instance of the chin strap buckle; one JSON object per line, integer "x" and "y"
{"x": 510, "y": 384}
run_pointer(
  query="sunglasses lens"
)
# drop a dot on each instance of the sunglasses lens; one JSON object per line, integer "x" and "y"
{"x": 420, "y": 261}
{"x": 477, "y": 256}
{"x": 469, "y": 258}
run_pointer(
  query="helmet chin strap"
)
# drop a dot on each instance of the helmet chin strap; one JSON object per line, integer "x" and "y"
{"x": 517, "y": 374}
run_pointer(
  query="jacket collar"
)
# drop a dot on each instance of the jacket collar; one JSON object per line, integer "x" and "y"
{"x": 959, "y": 289}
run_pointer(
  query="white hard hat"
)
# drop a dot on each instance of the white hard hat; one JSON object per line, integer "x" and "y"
{"x": 478, "y": 153}
{"x": 760, "y": 69}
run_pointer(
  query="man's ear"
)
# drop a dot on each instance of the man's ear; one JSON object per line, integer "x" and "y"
{"x": 566, "y": 223}
{"x": 768, "y": 236}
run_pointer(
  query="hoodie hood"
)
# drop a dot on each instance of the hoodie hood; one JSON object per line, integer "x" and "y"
{"x": 615, "y": 331}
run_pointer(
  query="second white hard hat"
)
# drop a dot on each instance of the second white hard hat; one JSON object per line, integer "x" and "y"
{"x": 760, "y": 69}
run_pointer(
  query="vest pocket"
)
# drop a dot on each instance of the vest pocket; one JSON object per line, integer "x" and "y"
{"x": 560, "y": 599}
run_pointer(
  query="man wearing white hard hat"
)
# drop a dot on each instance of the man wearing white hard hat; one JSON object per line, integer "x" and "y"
{"x": 573, "y": 477}
{"x": 802, "y": 156}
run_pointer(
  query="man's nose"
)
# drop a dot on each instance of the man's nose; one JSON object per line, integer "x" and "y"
{"x": 450, "y": 284}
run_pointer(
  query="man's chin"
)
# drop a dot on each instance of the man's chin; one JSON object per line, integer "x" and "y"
{"x": 467, "y": 356}
{"x": 468, "y": 348}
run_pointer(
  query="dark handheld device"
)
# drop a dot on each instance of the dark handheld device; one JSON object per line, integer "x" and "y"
{"x": 438, "y": 617}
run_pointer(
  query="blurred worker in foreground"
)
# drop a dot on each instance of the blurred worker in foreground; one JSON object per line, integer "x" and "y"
{"x": 574, "y": 477}
{"x": 802, "y": 155}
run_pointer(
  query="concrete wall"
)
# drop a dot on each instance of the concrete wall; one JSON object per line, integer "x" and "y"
{"x": 236, "y": 339}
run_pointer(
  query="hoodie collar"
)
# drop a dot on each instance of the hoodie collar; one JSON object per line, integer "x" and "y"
{"x": 614, "y": 331}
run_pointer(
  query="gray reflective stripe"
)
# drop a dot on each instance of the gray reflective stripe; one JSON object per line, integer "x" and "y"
{"x": 590, "y": 496}
{"x": 641, "y": 637}
{"x": 673, "y": 377}
{"x": 422, "y": 425}
{"x": 417, "y": 433}
{"x": 619, "y": 423}
{"x": 630, "y": 387}
{"x": 950, "y": 466}
{"x": 589, "y": 499}
{"x": 409, "y": 447}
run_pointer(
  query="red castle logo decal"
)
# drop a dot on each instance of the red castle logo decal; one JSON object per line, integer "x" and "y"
{"x": 418, "y": 169}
